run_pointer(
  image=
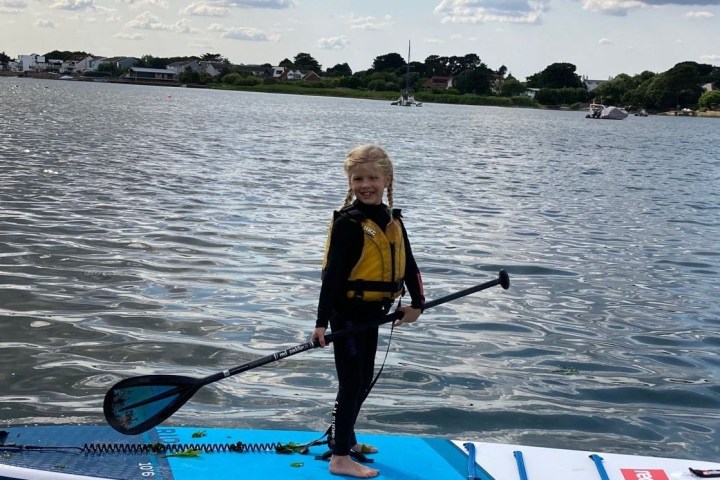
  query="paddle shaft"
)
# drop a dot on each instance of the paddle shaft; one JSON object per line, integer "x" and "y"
{"x": 503, "y": 280}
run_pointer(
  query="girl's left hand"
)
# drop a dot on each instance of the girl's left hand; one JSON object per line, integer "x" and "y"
{"x": 409, "y": 315}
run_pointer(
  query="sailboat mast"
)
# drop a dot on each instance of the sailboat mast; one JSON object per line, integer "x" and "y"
{"x": 407, "y": 75}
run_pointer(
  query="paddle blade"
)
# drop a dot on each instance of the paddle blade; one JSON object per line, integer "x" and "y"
{"x": 137, "y": 404}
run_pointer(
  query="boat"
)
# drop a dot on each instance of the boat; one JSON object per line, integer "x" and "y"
{"x": 600, "y": 111}
{"x": 406, "y": 98}
{"x": 92, "y": 452}
{"x": 641, "y": 113}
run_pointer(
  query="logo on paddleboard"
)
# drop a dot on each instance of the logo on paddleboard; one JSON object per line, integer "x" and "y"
{"x": 644, "y": 474}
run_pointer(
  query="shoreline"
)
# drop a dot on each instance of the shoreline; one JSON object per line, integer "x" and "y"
{"x": 427, "y": 97}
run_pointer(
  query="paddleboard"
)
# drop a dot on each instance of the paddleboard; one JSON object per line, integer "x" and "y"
{"x": 92, "y": 452}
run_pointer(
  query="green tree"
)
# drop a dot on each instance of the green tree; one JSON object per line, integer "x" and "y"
{"x": 710, "y": 100}
{"x": 213, "y": 57}
{"x": 511, "y": 87}
{"x": 339, "y": 70}
{"x": 305, "y": 61}
{"x": 287, "y": 63}
{"x": 613, "y": 91}
{"x": 477, "y": 81}
{"x": 390, "y": 62}
{"x": 4, "y": 58}
{"x": 557, "y": 75}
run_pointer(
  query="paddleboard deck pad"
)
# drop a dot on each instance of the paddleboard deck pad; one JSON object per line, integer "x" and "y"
{"x": 66, "y": 452}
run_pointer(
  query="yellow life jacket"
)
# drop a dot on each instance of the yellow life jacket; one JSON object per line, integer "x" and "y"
{"x": 378, "y": 274}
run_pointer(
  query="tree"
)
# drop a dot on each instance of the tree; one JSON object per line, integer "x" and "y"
{"x": 287, "y": 63}
{"x": 477, "y": 81}
{"x": 710, "y": 100}
{"x": 390, "y": 62}
{"x": 613, "y": 91}
{"x": 65, "y": 55}
{"x": 557, "y": 75}
{"x": 4, "y": 58}
{"x": 305, "y": 61}
{"x": 339, "y": 70}
{"x": 511, "y": 87}
{"x": 213, "y": 57}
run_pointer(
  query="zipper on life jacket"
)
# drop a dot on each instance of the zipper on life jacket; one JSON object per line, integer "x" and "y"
{"x": 392, "y": 264}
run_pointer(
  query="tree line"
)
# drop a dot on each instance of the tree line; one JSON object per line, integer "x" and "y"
{"x": 557, "y": 84}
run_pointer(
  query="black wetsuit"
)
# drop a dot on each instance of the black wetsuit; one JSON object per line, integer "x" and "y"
{"x": 355, "y": 357}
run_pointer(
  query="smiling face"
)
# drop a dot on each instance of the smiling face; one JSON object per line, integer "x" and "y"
{"x": 368, "y": 184}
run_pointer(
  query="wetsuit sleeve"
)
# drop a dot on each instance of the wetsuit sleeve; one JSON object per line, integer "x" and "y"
{"x": 346, "y": 242}
{"x": 413, "y": 279}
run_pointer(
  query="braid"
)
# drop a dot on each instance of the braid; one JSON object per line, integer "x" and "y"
{"x": 348, "y": 198}
{"x": 390, "y": 197}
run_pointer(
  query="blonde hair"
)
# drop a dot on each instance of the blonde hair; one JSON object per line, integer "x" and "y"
{"x": 373, "y": 158}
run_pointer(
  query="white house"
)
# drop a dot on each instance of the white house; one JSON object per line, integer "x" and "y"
{"x": 31, "y": 63}
{"x": 593, "y": 84}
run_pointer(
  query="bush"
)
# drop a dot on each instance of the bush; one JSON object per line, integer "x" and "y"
{"x": 710, "y": 100}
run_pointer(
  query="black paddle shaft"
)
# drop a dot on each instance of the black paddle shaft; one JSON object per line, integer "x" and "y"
{"x": 136, "y": 404}
{"x": 503, "y": 280}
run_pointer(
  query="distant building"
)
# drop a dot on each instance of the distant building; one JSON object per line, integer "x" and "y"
{"x": 120, "y": 63}
{"x": 154, "y": 74}
{"x": 31, "y": 63}
{"x": 708, "y": 87}
{"x": 593, "y": 84}
{"x": 438, "y": 82}
{"x": 530, "y": 92}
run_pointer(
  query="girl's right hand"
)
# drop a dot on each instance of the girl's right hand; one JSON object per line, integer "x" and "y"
{"x": 319, "y": 335}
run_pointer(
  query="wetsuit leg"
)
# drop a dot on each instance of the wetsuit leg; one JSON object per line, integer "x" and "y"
{"x": 354, "y": 362}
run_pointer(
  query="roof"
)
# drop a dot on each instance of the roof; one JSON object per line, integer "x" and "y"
{"x": 153, "y": 70}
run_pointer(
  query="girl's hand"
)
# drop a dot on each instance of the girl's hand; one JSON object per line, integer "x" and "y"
{"x": 409, "y": 315}
{"x": 319, "y": 335}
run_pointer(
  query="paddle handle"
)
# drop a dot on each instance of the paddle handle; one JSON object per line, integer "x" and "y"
{"x": 503, "y": 280}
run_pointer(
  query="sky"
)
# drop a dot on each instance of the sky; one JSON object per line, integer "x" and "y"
{"x": 602, "y": 38}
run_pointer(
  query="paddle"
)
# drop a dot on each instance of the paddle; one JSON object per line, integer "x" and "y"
{"x": 137, "y": 404}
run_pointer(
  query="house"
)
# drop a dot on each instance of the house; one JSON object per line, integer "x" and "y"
{"x": 213, "y": 68}
{"x": 530, "y": 92}
{"x": 183, "y": 66}
{"x": 289, "y": 74}
{"x": 155, "y": 74}
{"x": 53, "y": 65}
{"x": 78, "y": 64}
{"x": 437, "y": 82}
{"x": 310, "y": 76}
{"x": 31, "y": 63}
{"x": 254, "y": 70}
{"x": 708, "y": 87}
{"x": 593, "y": 84}
{"x": 274, "y": 72}
{"x": 119, "y": 63}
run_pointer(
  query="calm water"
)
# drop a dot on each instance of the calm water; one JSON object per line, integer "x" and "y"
{"x": 152, "y": 230}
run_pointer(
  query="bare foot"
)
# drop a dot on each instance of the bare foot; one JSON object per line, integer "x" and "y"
{"x": 344, "y": 465}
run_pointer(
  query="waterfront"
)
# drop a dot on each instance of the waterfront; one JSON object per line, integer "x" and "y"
{"x": 164, "y": 230}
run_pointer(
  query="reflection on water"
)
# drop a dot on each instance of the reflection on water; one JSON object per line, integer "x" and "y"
{"x": 151, "y": 230}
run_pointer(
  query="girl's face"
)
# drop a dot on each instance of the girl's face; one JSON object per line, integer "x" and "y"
{"x": 368, "y": 185}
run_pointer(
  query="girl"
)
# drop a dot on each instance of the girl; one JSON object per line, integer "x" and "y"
{"x": 368, "y": 263}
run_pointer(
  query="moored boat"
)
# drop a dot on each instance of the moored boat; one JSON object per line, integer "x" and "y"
{"x": 602, "y": 112}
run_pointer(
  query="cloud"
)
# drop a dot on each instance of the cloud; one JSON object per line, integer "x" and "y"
{"x": 486, "y": 11}
{"x": 369, "y": 23}
{"x": 605, "y": 41}
{"x": 622, "y": 7}
{"x": 129, "y": 36}
{"x": 13, "y": 4}
{"x": 146, "y": 3}
{"x": 699, "y": 15}
{"x": 74, "y": 5}
{"x": 710, "y": 58}
{"x": 205, "y": 9}
{"x": 272, "y": 4}
{"x": 333, "y": 43}
{"x": 44, "y": 23}
{"x": 249, "y": 34}
{"x": 146, "y": 21}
